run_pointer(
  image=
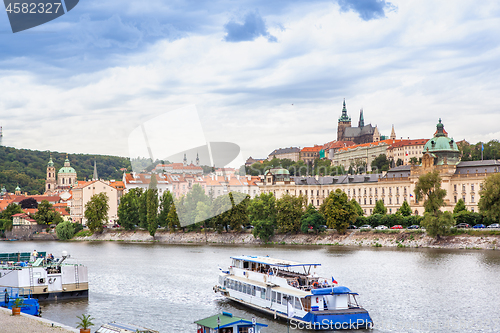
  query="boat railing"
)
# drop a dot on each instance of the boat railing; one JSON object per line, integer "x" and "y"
{"x": 15, "y": 292}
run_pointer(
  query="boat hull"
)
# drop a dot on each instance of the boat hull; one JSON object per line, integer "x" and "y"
{"x": 357, "y": 318}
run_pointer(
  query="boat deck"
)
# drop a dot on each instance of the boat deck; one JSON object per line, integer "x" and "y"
{"x": 341, "y": 311}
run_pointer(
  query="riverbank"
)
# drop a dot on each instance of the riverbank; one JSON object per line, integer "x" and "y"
{"x": 378, "y": 238}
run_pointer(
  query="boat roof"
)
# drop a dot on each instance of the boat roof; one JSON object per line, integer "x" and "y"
{"x": 226, "y": 319}
{"x": 120, "y": 327}
{"x": 274, "y": 262}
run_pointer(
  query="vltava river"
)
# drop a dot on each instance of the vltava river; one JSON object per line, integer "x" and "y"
{"x": 167, "y": 287}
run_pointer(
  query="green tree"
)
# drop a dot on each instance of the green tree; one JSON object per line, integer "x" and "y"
{"x": 380, "y": 163}
{"x": 399, "y": 162}
{"x": 429, "y": 187}
{"x": 405, "y": 209}
{"x": 311, "y": 219}
{"x": 262, "y": 215}
{"x": 338, "y": 211}
{"x": 489, "y": 203}
{"x": 203, "y": 212}
{"x": 152, "y": 215}
{"x": 460, "y": 206}
{"x": 289, "y": 210}
{"x": 96, "y": 212}
{"x": 413, "y": 161}
{"x": 143, "y": 209}
{"x": 153, "y": 184}
{"x": 438, "y": 224}
{"x": 230, "y": 211}
{"x": 128, "y": 211}
{"x": 380, "y": 207}
{"x": 262, "y": 207}
{"x": 11, "y": 209}
{"x": 65, "y": 230}
{"x": 358, "y": 208}
{"x": 190, "y": 203}
{"x": 46, "y": 214}
{"x": 263, "y": 229}
{"x": 166, "y": 203}
{"x": 173, "y": 219}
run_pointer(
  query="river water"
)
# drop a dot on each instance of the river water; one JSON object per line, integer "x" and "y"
{"x": 168, "y": 287}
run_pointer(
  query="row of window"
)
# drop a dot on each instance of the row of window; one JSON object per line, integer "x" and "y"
{"x": 464, "y": 188}
{"x": 472, "y": 199}
{"x": 364, "y": 191}
{"x": 276, "y": 297}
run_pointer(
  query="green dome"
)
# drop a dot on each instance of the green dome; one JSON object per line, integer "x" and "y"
{"x": 442, "y": 148}
{"x": 441, "y": 143}
{"x": 18, "y": 188}
{"x": 51, "y": 163}
{"x": 66, "y": 170}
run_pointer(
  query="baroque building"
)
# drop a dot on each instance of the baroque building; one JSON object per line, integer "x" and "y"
{"x": 63, "y": 181}
{"x": 461, "y": 180}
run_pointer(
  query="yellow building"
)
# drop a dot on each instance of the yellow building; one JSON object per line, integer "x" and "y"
{"x": 461, "y": 180}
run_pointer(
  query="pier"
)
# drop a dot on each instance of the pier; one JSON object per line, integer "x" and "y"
{"x": 30, "y": 324}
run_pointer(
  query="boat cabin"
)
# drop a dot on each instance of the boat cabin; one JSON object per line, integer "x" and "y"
{"x": 227, "y": 323}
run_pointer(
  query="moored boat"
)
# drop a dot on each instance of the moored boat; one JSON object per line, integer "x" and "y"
{"x": 43, "y": 276}
{"x": 279, "y": 288}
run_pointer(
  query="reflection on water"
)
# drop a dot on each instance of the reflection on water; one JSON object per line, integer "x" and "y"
{"x": 167, "y": 287}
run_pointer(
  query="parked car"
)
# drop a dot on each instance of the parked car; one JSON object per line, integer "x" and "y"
{"x": 413, "y": 227}
{"x": 381, "y": 227}
{"x": 463, "y": 225}
{"x": 352, "y": 227}
{"x": 397, "y": 226}
{"x": 494, "y": 225}
{"x": 479, "y": 226}
{"x": 323, "y": 227}
{"x": 366, "y": 226}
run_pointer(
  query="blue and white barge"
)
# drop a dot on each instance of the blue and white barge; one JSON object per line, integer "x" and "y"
{"x": 290, "y": 290}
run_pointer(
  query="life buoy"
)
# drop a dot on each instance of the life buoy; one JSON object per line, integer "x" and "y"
{"x": 317, "y": 299}
{"x": 315, "y": 284}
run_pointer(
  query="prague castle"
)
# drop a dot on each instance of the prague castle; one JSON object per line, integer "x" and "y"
{"x": 461, "y": 180}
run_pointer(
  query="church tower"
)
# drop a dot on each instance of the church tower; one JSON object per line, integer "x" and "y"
{"x": 50, "y": 183}
{"x": 361, "y": 122}
{"x": 344, "y": 121}
{"x": 393, "y": 133}
{"x": 197, "y": 160}
{"x": 185, "y": 161}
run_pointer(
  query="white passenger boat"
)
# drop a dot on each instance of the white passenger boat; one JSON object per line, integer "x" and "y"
{"x": 290, "y": 290}
{"x": 44, "y": 277}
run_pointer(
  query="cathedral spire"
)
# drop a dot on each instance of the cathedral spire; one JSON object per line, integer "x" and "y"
{"x": 393, "y": 133}
{"x": 95, "y": 176}
{"x": 185, "y": 161}
{"x": 361, "y": 122}
{"x": 197, "y": 160}
{"x": 344, "y": 116}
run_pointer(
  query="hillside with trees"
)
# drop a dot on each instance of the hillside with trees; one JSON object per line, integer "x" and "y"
{"x": 27, "y": 168}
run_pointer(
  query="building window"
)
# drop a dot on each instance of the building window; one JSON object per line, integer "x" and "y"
{"x": 370, "y": 191}
{"x": 472, "y": 188}
{"x": 349, "y": 193}
{"x": 365, "y": 191}
{"x": 390, "y": 190}
{"x": 472, "y": 198}
{"x": 318, "y": 202}
{"x": 472, "y": 209}
{"x": 390, "y": 210}
{"x": 370, "y": 203}
{"x": 365, "y": 201}
{"x": 370, "y": 211}
{"x": 383, "y": 201}
{"x": 383, "y": 191}
{"x": 463, "y": 198}
{"x": 354, "y": 192}
{"x": 376, "y": 191}
{"x": 455, "y": 187}
{"x": 455, "y": 197}
{"x": 397, "y": 201}
{"x": 463, "y": 188}
{"x": 390, "y": 201}
{"x": 306, "y": 192}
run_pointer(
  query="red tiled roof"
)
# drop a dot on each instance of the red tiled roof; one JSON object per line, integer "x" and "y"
{"x": 388, "y": 141}
{"x": 404, "y": 143}
{"x": 38, "y": 198}
{"x": 312, "y": 149}
{"x": 338, "y": 144}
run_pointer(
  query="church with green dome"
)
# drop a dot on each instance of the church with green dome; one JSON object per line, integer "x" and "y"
{"x": 64, "y": 180}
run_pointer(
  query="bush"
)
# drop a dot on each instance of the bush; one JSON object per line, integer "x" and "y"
{"x": 65, "y": 230}
{"x": 83, "y": 233}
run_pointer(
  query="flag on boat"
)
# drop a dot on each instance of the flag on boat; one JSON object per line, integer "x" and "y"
{"x": 289, "y": 309}
{"x": 411, "y": 195}
{"x": 334, "y": 281}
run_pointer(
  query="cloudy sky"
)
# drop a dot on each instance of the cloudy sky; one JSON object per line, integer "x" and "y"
{"x": 261, "y": 74}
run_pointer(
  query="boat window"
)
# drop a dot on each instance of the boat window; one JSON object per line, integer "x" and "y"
{"x": 273, "y": 298}
{"x": 246, "y": 264}
{"x": 262, "y": 293}
{"x": 253, "y": 291}
{"x": 278, "y": 298}
{"x": 249, "y": 289}
{"x": 298, "y": 306}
